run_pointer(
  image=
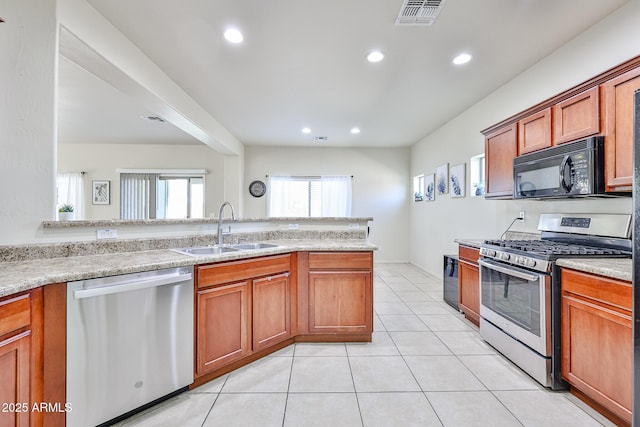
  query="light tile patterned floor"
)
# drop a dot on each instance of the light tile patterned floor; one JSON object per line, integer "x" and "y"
{"x": 426, "y": 366}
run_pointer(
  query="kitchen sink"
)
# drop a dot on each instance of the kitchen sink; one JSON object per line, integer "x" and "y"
{"x": 221, "y": 249}
{"x": 253, "y": 246}
{"x": 206, "y": 250}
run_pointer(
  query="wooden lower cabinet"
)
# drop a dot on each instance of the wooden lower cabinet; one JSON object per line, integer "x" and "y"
{"x": 339, "y": 301}
{"x": 469, "y": 283}
{"x": 271, "y": 310}
{"x": 242, "y": 307}
{"x": 336, "y": 296}
{"x": 21, "y": 358}
{"x": 597, "y": 341}
{"x": 223, "y": 328}
{"x": 15, "y": 389}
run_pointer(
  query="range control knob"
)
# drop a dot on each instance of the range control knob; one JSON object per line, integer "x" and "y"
{"x": 528, "y": 262}
{"x": 504, "y": 256}
{"x": 488, "y": 252}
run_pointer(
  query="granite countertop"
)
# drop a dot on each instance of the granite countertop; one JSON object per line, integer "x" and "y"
{"x": 17, "y": 276}
{"x": 615, "y": 268}
{"x": 473, "y": 243}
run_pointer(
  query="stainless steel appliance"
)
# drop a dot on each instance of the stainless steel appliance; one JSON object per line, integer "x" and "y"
{"x": 520, "y": 286}
{"x": 567, "y": 170}
{"x": 450, "y": 280}
{"x": 129, "y": 342}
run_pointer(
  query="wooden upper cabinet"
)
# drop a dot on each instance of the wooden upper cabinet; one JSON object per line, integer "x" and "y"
{"x": 618, "y": 129}
{"x": 577, "y": 117}
{"x": 534, "y": 132}
{"x": 501, "y": 147}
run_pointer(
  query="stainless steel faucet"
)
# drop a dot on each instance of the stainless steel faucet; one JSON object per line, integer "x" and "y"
{"x": 233, "y": 218}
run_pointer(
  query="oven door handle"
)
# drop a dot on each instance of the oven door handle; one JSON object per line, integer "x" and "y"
{"x": 509, "y": 271}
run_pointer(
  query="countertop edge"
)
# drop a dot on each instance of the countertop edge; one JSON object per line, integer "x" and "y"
{"x": 613, "y": 268}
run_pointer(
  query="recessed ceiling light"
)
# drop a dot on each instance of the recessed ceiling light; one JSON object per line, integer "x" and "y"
{"x": 233, "y": 35}
{"x": 355, "y": 130}
{"x": 375, "y": 56}
{"x": 306, "y": 130}
{"x": 463, "y": 58}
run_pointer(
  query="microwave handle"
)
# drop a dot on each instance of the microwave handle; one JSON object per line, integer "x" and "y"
{"x": 516, "y": 273}
{"x": 566, "y": 185}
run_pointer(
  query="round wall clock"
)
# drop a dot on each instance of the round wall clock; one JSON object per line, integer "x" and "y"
{"x": 257, "y": 188}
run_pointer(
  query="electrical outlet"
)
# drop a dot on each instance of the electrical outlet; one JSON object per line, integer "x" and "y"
{"x": 294, "y": 226}
{"x": 521, "y": 215}
{"x": 107, "y": 233}
{"x": 354, "y": 226}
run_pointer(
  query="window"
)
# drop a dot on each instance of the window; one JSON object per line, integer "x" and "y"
{"x": 418, "y": 188}
{"x": 476, "y": 175}
{"x": 70, "y": 186}
{"x": 161, "y": 195}
{"x": 315, "y": 196}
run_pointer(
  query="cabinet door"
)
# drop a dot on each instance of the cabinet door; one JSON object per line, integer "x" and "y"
{"x": 14, "y": 386}
{"x": 271, "y": 310}
{"x": 500, "y": 148}
{"x": 534, "y": 132}
{"x": 597, "y": 354}
{"x": 577, "y": 117}
{"x": 223, "y": 325}
{"x": 469, "y": 290}
{"x": 340, "y": 301}
{"x": 618, "y": 124}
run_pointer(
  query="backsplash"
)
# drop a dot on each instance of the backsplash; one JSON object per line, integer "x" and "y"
{"x": 69, "y": 249}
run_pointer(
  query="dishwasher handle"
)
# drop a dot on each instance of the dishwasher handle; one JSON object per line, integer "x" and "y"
{"x": 132, "y": 285}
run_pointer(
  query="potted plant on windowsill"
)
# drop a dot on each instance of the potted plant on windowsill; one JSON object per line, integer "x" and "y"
{"x": 65, "y": 212}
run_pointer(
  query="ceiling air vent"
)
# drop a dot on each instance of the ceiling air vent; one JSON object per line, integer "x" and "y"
{"x": 419, "y": 12}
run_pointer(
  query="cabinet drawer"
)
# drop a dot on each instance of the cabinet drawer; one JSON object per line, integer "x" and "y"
{"x": 232, "y": 271}
{"x": 608, "y": 291}
{"x": 15, "y": 313}
{"x": 469, "y": 254}
{"x": 340, "y": 260}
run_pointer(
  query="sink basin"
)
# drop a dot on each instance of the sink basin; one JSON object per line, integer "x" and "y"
{"x": 206, "y": 250}
{"x": 253, "y": 246}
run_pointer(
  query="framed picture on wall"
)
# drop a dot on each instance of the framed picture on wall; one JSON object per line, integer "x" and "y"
{"x": 429, "y": 188}
{"x": 101, "y": 193}
{"x": 458, "y": 180}
{"x": 442, "y": 179}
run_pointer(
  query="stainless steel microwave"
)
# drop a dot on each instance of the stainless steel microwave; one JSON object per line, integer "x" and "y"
{"x": 574, "y": 169}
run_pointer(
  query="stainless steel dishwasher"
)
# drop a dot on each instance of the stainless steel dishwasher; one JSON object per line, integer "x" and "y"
{"x": 129, "y": 342}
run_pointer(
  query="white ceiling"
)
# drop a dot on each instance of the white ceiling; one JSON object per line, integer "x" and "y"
{"x": 302, "y": 63}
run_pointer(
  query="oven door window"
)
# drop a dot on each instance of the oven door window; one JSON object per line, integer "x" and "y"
{"x": 514, "y": 298}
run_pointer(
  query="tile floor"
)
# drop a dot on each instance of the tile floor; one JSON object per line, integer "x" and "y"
{"x": 426, "y": 366}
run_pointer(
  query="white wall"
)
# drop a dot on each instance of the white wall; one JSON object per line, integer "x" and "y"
{"x": 100, "y": 162}
{"x": 434, "y": 225}
{"x": 28, "y": 44}
{"x": 380, "y": 186}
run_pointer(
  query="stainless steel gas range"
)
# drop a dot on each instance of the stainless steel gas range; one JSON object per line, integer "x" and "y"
{"x": 520, "y": 286}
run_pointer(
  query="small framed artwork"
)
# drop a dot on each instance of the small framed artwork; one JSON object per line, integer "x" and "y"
{"x": 429, "y": 188}
{"x": 457, "y": 180}
{"x": 101, "y": 193}
{"x": 442, "y": 179}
